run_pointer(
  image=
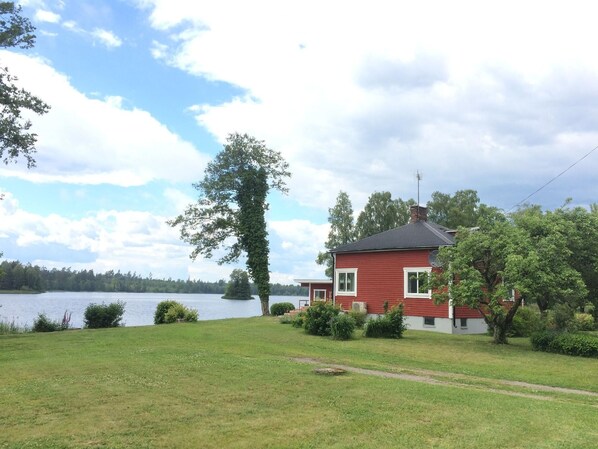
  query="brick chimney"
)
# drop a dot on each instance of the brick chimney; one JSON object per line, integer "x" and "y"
{"x": 418, "y": 213}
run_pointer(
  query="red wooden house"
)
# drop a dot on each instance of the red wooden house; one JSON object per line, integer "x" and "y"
{"x": 390, "y": 267}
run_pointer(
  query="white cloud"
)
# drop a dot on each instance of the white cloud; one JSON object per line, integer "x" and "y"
{"x": 106, "y": 38}
{"x": 42, "y": 15}
{"x": 359, "y": 97}
{"x": 110, "y": 239}
{"x": 143, "y": 242}
{"x": 90, "y": 141}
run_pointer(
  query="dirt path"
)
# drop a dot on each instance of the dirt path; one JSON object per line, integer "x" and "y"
{"x": 431, "y": 377}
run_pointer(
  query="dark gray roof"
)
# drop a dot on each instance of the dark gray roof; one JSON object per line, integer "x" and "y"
{"x": 422, "y": 234}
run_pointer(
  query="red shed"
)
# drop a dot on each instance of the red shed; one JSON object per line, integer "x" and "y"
{"x": 390, "y": 268}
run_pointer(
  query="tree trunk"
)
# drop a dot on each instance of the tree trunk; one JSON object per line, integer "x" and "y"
{"x": 500, "y": 334}
{"x": 265, "y": 300}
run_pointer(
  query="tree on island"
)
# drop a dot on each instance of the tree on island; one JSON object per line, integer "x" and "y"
{"x": 238, "y": 287}
{"x": 230, "y": 212}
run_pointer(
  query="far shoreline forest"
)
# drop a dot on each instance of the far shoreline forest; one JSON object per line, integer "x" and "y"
{"x": 26, "y": 278}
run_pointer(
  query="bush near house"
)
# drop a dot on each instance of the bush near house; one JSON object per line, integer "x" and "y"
{"x": 584, "y": 345}
{"x": 584, "y": 321}
{"x": 342, "y": 326}
{"x": 318, "y": 318}
{"x": 389, "y": 325}
{"x": 281, "y": 308}
{"x": 299, "y": 320}
{"x": 104, "y": 315}
{"x": 359, "y": 317}
{"x": 526, "y": 322}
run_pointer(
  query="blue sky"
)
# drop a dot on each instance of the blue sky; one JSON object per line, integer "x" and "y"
{"x": 357, "y": 96}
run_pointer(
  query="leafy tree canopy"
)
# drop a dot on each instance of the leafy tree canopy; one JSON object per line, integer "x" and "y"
{"x": 486, "y": 266}
{"x": 382, "y": 213}
{"x": 15, "y": 138}
{"x": 461, "y": 209}
{"x": 342, "y": 229}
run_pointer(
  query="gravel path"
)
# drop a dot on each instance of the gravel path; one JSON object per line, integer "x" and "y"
{"x": 430, "y": 377}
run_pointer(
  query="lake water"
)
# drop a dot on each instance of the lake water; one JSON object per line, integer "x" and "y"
{"x": 139, "y": 308}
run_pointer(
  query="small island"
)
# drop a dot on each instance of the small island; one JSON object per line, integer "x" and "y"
{"x": 238, "y": 287}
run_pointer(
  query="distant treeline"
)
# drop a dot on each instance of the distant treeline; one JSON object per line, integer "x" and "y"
{"x": 16, "y": 276}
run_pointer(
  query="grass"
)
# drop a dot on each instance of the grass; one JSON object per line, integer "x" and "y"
{"x": 11, "y": 327}
{"x": 233, "y": 383}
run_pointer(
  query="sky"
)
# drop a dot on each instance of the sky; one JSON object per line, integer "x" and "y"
{"x": 357, "y": 96}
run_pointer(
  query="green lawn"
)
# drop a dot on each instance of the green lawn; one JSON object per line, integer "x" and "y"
{"x": 234, "y": 383}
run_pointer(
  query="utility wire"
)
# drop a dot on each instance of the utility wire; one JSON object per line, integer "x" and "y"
{"x": 557, "y": 176}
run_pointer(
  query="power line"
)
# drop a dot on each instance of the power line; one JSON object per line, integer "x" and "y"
{"x": 557, "y": 176}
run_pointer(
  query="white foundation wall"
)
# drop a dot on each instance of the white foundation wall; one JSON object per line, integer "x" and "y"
{"x": 445, "y": 325}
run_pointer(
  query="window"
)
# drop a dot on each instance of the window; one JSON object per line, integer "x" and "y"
{"x": 346, "y": 281}
{"x": 429, "y": 321}
{"x": 463, "y": 323}
{"x": 319, "y": 295}
{"x": 415, "y": 282}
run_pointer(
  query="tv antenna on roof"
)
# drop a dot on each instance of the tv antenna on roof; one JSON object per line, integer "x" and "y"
{"x": 419, "y": 178}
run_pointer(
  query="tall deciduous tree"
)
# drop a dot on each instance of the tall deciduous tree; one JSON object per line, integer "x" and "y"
{"x": 566, "y": 243}
{"x": 474, "y": 273}
{"x": 382, "y": 213}
{"x": 461, "y": 209}
{"x": 342, "y": 229}
{"x": 230, "y": 212}
{"x": 527, "y": 254}
{"x": 15, "y": 138}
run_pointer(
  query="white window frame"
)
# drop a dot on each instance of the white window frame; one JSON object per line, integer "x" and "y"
{"x": 319, "y": 290}
{"x": 345, "y": 271}
{"x": 406, "y": 271}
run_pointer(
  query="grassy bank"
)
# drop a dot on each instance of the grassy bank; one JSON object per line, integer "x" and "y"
{"x": 234, "y": 383}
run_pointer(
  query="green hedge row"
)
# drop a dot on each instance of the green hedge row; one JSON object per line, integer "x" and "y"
{"x": 583, "y": 345}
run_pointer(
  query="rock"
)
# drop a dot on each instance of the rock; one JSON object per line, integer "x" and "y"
{"x": 330, "y": 371}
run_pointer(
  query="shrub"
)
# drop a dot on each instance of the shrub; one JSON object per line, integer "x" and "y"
{"x": 178, "y": 312}
{"x": 102, "y": 315}
{"x": 299, "y": 320}
{"x": 561, "y": 317}
{"x": 584, "y": 321}
{"x": 281, "y": 308}
{"x": 526, "y": 322}
{"x": 541, "y": 340}
{"x": 286, "y": 319}
{"x": 161, "y": 310}
{"x": 359, "y": 317}
{"x": 389, "y": 325}
{"x": 318, "y": 318}
{"x": 566, "y": 343}
{"x": 342, "y": 326}
{"x": 44, "y": 324}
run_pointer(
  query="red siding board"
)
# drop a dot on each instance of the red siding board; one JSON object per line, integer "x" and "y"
{"x": 466, "y": 312}
{"x": 380, "y": 278}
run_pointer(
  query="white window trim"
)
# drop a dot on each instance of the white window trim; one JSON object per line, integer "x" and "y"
{"x": 407, "y": 270}
{"x": 319, "y": 290}
{"x": 336, "y": 282}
